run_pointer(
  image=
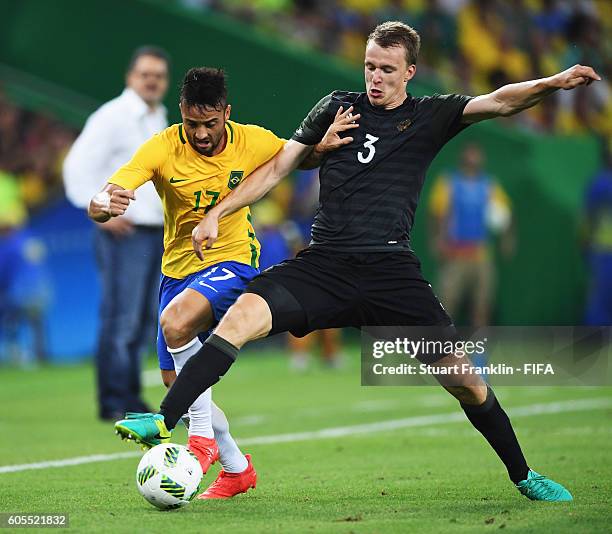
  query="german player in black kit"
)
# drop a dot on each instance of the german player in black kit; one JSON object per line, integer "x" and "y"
{"x": 375, "y": 148}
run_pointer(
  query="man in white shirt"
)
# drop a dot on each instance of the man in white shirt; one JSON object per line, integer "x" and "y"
{"x": 128, "y": 248}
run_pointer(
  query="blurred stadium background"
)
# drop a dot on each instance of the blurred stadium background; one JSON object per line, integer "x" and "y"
{"x": 60, "y": 60}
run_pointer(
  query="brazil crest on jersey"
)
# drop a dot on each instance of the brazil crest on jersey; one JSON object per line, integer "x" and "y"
{"x": 189, "y": 184}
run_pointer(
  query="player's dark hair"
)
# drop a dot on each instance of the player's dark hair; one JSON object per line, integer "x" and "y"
{"x": 205, "y": 88}
{"x": 394, "y": 33}
{"x": 148, "y": 50}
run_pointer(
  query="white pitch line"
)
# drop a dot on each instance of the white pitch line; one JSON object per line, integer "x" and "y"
{"x": 334, "y": 432}
{"x": 69, "y": 461}
{"x": 425, "y": 420}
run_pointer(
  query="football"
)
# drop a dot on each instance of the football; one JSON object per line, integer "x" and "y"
{"x": 168, "y": 476}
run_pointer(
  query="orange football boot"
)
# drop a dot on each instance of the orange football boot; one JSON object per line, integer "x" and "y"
{"x": 229, "y": 484}
{"x": 205, "y": 449}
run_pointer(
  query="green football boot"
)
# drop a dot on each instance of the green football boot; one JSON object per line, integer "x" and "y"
{"x": 148, "y": 429}
{"x": 540, "y": 488}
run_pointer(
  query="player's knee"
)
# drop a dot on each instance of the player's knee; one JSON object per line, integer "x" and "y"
{"x": 177, "y": 331}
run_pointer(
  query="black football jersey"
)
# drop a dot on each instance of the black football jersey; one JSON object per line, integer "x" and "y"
{"x": 370, "y": 188}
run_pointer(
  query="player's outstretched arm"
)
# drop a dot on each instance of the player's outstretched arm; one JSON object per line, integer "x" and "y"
{"x": 250, "y": 190}
{"x": 516, "y": 97}
{"x": 112, "y": 201}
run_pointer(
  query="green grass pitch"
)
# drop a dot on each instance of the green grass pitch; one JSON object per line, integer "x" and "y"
{"x": 432, "y": 477}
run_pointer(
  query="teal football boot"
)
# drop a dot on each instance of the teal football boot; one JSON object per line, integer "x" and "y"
{"x": 148, "y": 429}
{"x": 540, "y": 488}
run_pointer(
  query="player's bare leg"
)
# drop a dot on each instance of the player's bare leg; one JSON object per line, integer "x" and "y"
{"x": 248, "y": 319}
{"x": 329, "y": 340}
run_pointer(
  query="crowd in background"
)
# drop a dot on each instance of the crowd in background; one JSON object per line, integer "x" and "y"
{"x": 32, "y": 148}
{"x": 468, "y": 46}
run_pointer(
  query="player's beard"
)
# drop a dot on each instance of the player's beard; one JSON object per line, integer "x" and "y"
{"x": 208, "y": 151}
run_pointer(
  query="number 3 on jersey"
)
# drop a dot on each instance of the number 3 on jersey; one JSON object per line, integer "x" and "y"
{"x": 369, "y": 144}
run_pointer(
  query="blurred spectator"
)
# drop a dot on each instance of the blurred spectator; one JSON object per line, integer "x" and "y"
{"x": 24, "y": 288}
{"x": 330, "y": 344}
{"x": 10, "y": 136}
{"x": 552, "y": 18}
{"x": 304, "y": 202}
{"x": 277, "y": 235}
{"x": 32, "y": 146}
{"x": 128, "y": 248}
{"x": 466, "y": 206}
{"x": 395, "y": 10}
{"x": 598, "y": 207}
{"x": 440, "y": 28}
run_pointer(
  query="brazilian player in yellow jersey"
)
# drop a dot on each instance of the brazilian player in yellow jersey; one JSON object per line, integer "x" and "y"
{"x": 189, "y": 183}
{"x": 193, "y": 166}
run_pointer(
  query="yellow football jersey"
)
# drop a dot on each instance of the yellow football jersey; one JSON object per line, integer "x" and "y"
{"x": 189, "y": 184}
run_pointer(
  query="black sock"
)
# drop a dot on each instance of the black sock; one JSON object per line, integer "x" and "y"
{"x": 492, "y": 422}
{"x": 201, "y": 371}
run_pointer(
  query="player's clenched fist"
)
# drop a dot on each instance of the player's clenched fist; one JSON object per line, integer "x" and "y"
{"x": 113, "y": 203}
{"x": 205, "y": 234}
{"x": 119, "y": 201}
{"x": 575, "y": 76}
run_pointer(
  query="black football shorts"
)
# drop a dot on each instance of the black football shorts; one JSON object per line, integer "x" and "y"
{"x": 322, "y": 288}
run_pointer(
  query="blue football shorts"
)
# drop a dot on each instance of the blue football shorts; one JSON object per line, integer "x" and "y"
{"x": 221, "y": 284}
